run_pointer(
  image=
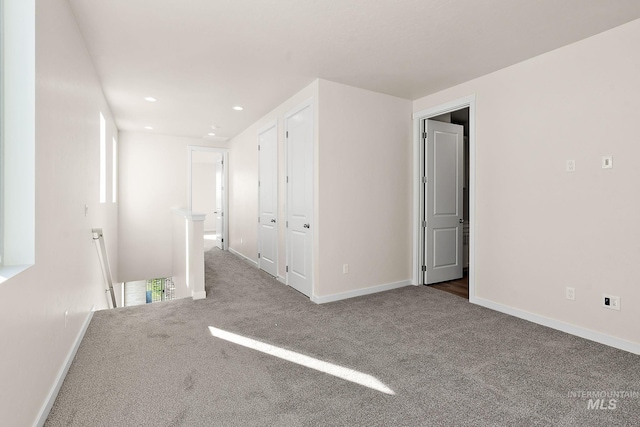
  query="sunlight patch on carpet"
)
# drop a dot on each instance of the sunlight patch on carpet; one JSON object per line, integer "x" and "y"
{"x": 303, "y": 360}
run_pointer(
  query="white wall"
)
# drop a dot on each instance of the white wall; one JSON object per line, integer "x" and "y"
{"x": 153, "y": 181}
{"x": 66, "y": 274}
{"x": 364, "y": 189}
{"x": 539, "y": 228}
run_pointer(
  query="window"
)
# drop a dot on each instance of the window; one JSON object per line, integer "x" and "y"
{"x": 2, "y": 73}
{"x": 17, "y": 163}
{"x": 103, "y": 159}
{"x": 114, "y": 171}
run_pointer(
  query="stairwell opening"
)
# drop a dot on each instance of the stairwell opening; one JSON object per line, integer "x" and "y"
{"x": 148, "y": 291}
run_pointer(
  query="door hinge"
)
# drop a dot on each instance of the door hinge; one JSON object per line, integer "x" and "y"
{"x": 424, "y": 268}
{"x": 424, "y": 135}
{"x": 258, "y": 147}
{"x": 287, "y": 224}
{"x": 286, "y": 269}
{"x": 287, "y": 179}
{"x": 424, "y": 179}
{"x": 258, "y": 183}
{"x": 258, "y": 219}
{"x": 258, "y": 254}
{"x": 424, "y": 224}
{"x": 287, "y": 134}
{"x": 221, "y": 240}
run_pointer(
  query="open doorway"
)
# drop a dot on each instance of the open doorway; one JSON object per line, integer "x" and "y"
{"x": 445, "y": 150}
{"x": 207, "y": 178}
{"x": 460, "y": 284}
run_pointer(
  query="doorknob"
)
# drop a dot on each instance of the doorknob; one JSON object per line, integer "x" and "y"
{"x": 273, "y": 220}
{"x": 306, "y": 226}
{"x": 461, "y": 221}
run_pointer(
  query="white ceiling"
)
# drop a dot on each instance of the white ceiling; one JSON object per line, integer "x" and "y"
{"x": 201, "y": 57}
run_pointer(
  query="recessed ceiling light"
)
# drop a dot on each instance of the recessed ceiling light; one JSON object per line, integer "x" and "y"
{"x": 238, "y": 108}
{"x": 148, "y": 127}
{"x": 211, "y": 134}
{"x": 150, "y": 99}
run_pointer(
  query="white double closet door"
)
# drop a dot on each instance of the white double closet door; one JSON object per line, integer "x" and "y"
{"x": 299, "y": 143}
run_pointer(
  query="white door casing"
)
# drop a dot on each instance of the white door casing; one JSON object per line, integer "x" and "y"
{"x": 419, "y": 123}
{"x": 299, "y": 135}
{"x": 444, "y": 160}
{"x": 268, "y": 199}
{"x": 219, "y": 205}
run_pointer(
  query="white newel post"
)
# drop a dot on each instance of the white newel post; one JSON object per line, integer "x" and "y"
{"x": 188, "y": 254}
{"x": 196, "y": 260}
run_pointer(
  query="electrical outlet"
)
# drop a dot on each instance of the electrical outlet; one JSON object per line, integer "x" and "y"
{"x": 66, "y": 316}
{"x": 611, "y": 301}
{"x": 571, "y": 293}
{"x": 345, "y": 268}
{"x": 607, "y": 162}
{"x": 571, "y": 165}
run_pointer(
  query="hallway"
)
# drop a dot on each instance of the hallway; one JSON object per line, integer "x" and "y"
{"x": 445, "y": 361}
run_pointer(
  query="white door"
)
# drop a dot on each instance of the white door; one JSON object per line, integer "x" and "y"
{"x": 443, "y": 201}
{"x": 268, "y": 200}
{"x": 299, "y": 136}
{"x": 219, "y": 208}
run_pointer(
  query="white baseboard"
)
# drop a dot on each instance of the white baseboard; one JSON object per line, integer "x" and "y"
{"x": 282, "y": 280}
{"x": 588, "y": 334}
{"x": 199, "y": 295}
{"x": 238, "y": 254}
{"x": 360, "y": 292}
{"x": 53, "y": 393}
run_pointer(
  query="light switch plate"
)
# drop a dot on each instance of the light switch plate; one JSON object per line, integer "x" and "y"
{"x": 571, "y": 165}
{"x": 607, "y": 162}
{"x": 571, "y": 293}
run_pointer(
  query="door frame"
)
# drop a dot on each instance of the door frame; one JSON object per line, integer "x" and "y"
{"x": 263, "y": 129}
{"x": 310, "y": 102}
{"x": 419, "y": 172}
{"x": 225, "y": 179}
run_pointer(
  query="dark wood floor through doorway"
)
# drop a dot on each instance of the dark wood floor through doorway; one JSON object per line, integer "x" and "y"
{"x": 459, "y": 287}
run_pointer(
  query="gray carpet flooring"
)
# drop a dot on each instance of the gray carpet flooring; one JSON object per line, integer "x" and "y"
{"x": 449, "y": 363}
